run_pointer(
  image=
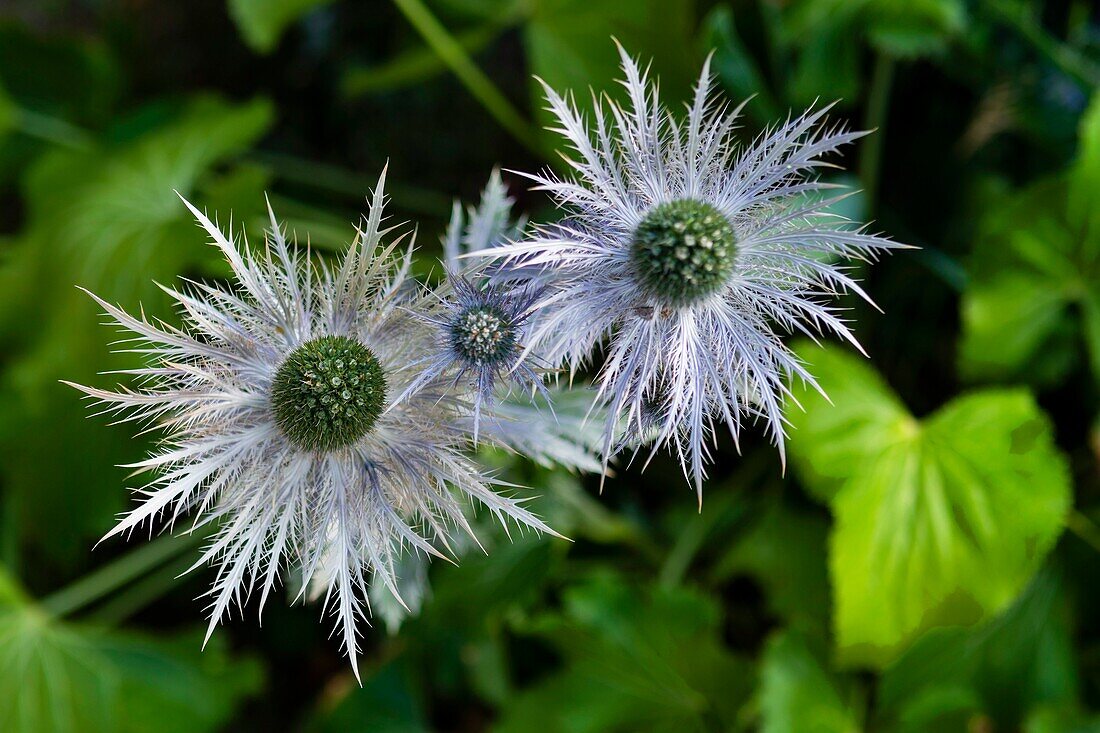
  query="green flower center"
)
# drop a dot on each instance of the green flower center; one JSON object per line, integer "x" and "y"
{"x": 683, "y": 251}
{"x": 483, "y": 335}
{"x": 328, "y": 393}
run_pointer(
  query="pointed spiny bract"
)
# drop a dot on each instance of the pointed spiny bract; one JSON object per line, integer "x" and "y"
{"x": 686, "y": 257}
{"x": 340, "y": 498}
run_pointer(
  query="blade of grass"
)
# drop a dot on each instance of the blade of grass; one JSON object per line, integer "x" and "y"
{"x": 412, "y": 66}
{"x": 878, "y": 107}
{"x": 340, "y": 180}
{"x": 139, "y": 595}
{"x": 118, "y": 573}
{"x": 451, "y": 52}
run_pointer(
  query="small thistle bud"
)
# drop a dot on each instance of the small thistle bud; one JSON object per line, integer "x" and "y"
{"x": 328, "y": 393}
{"x": 683, "y": 251}
{"x": 483, "y": 334}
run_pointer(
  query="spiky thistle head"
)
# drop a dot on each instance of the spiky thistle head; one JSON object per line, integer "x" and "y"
{"x": 688, "y": 256}
{"x": 478, "y": 340}
{"x": 277, "y": 397}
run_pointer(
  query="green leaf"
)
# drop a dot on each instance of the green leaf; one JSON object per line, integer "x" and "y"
{"x": 62, "y": 678}
{"x": 568, "y": 45}
{"x": 912, "y": 28}
{"x": 865, "y": 418}
{"x": 175, "y": 684}
{"x": 1036, "y": 276}
{"x": 262, "y": 22}
{"x": 1020, "y": 661}
{"x": 900, "y": 28}
{"x": 798, "y": 694}
{"x": 634, "y": 660}
{"x": 826, "y": 67}
{"x": 938, "y": 521}
{"x": 735, "y": 66}
{"x": 108, "y": 220}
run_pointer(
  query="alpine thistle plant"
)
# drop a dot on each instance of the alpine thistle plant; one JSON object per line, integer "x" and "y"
{"x": 687, "y": 256}
{"x": 278, "y": 402}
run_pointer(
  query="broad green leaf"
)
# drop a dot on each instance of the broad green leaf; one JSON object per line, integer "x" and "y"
{"x": 106, "y": 219}
{"x": 263, "y": 22}
{"x": 60, "y": 678}
{"x": 798, "y": 694}
{"x": 901, "y": 28}
{"x": 1015, "y": 321}
{"x": 865, "y": 418}
{"x": 734, "y": 65}
{"x": 1019, "y": 661}
{"x": 634, "y": 660}
{"x": 175, "y": 684}
{"x": 1036, "y": 276}
{"x": 910, "y": 28}
{"x": 568, "y": 46}
{"x": 939, "y": 521}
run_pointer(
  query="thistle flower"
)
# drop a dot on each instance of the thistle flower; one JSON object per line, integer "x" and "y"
{"x": 687, "y": 257}
{"x": 479, "y": 323}
{"x": 277, "y": 399}
{"x": 478, "y": 332}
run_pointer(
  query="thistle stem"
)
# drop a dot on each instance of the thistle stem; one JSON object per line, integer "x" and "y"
{"x": 340, "y": 180}
{"x": 878, "y": 107}
{"x": 118, "y": 573}
{"x": 451, "y": 52}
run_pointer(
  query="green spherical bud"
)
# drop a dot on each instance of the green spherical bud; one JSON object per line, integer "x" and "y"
{"x": 483, "y": 334}
{"x": 328, "y": 393}
{"x": 683, "y": 251}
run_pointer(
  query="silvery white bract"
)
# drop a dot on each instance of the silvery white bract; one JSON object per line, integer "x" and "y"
{"x": 687, "y": 256}
{"x": 489, "y": 224}
{"x": 277, "y": 399}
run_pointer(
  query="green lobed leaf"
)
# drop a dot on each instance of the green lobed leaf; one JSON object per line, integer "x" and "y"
{"x": 568, "y": 47}
{"x": 109, "y": 220}
{"x": 639, "y": 660}
{"x": 939, "y": 521}
{"x": 797, "y": 692}
{"x": 61, "y": 678}
{"x": 1036, "y": 276}
{"x": 1019, "y": 662}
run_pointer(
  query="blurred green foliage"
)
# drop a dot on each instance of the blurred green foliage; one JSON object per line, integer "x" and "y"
{"x": 928, "y": 564}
